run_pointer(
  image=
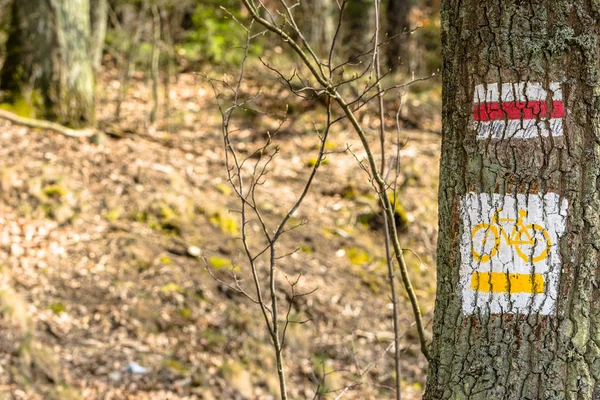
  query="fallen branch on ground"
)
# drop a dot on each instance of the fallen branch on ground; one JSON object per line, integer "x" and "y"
{"x": 42, "y": 124}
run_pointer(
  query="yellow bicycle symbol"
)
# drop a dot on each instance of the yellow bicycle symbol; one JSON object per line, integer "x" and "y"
{"x": 531, "y": 242}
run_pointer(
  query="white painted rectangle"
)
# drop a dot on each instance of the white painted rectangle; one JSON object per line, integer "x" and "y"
{"x": 519, "y": 91}
{"x": 506, "y": 240}
{"x": 521, "y": 110}
{"x": 519, "y": 129}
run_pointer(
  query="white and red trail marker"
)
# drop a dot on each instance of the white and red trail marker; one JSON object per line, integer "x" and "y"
{"x": 523, "y": 110}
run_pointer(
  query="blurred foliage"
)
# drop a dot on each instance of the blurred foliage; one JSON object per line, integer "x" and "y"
{"x": 428, "y": 41}
{"x": 207, "y": 31}
{"x": 215, "y": 34}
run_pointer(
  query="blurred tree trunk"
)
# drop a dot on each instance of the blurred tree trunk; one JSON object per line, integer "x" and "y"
{"x": 318, "y": 31}
{"x": 49, "y": 60}
{"x": 517, "y": 314}
{"x": 397, "y": 27}
{"x": 359, "y": 28}
{"x": 98, "y": 19}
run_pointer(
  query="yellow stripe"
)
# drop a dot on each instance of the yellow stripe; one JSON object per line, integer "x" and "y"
{"x": 500, "y": 282}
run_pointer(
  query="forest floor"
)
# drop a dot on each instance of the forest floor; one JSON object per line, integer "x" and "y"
{"x": 107, "y": 252}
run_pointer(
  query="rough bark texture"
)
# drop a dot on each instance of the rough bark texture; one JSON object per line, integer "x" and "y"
{"x": 521, "y": 355}
{"x": 49, "y": 59}
{"x": 397, "y": 26}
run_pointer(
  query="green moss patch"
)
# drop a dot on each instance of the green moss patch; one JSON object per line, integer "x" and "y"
{"x": 311, "y": 162}
{"x": 171, "y": 287}
{"x": 112, "y": 215}
{"x": 227, "y": 224}
{"x": 54, "y": 191}
{"x": 357, "y": 256}
{"x": 219, "y": 263}
{"x": 224, "y": 189}
{"x": 57, "y": 308}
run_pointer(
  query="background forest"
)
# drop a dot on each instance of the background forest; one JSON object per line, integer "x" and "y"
{"x": 120, "y": 231}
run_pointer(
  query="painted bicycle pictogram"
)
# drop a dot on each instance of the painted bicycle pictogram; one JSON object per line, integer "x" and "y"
{"x": 531, "y": 241}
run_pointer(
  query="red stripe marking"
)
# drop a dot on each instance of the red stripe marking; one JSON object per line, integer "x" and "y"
{"x": 518, "y": 110}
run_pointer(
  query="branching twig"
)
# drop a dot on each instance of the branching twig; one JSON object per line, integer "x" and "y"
{"x": 334, "y": 93}
{"x": 247, "y": 175}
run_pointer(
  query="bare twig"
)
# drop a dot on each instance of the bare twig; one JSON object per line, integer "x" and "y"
{"x": 388, "y": 255}
{"x": 246, "y": 177}
{"x": 382, "y": 187}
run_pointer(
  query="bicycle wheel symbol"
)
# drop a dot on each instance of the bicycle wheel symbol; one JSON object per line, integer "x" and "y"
{"x": 531, "y": 242}
{"x": 486, "y": 242}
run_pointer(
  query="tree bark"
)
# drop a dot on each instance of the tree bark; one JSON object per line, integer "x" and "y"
{"x": 518, "y": 318}
{"x": 49, "y": 60}
{"x": 397, "y": 33}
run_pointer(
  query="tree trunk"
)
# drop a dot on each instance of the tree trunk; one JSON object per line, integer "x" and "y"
{"x": 358, "y": 30}
{"x": 318, "y": 32}
{"x": 397, "y": 33}
{"x": 517, "y": 313}
{"x": 98, "y": 19}
{"x": 49, "y": 60}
